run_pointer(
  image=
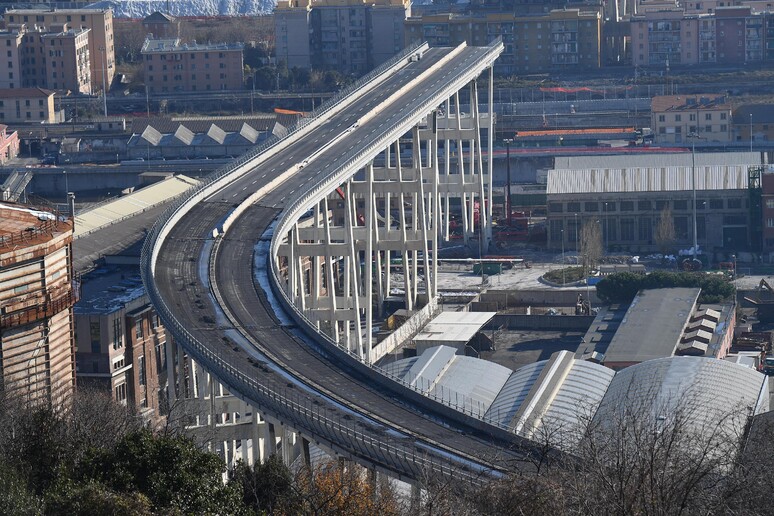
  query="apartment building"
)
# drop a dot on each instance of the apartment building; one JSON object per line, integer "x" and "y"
{"x": 562, "y": 39}
{"x": 99, "y": 22}
{"x": 172, "y": 66}
{"x": 56, "y": 57}
{"x": 343, "y": 35}
{"x": 27, "y": 105}
{"x": 68, "y": 63}
{"x": 10, "y": 59}
{"x": 727, "y": 36}
{"x": 675, "y": 117}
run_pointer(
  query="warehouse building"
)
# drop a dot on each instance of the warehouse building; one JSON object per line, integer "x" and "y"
{"x": 628, "y": 195}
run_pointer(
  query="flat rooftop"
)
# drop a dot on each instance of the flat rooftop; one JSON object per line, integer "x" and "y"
{"x": 652, "y": 326}
{"x": 107, "y": 289}
{"x": 453, "y": 327}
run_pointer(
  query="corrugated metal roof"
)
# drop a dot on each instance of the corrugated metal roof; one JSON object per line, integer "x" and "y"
{"x": 471, "y": 384}
{"x": 706, "y": 391}
{"x": 654, "y": 160}
{"x": 132, "y": 204}
{"x": 631, "y": 180}
{"x": 653, "y": 325}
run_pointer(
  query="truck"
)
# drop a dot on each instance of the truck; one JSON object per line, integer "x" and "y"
{"x": 768, "y": 365}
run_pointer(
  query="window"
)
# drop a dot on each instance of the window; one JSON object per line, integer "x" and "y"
{"x": 770, "y": 203}
{"x": 627, "y": 205}
{"x": 770, "y": 223}
{"x": 645, "y": 230}
{"x": 95, "y": 336}
{"x": 608, "y": 206}
{"x": 117, "y": 343}
{"x": 692, "y": 117}
{"x": 573, "y": 207}
{"x": 643, "y": 206}
{"x": 120, "y": 391}
{"x": 662, "y": 118}
{"x": 716, "y": 204}
{"x": 734, "y": 204}
{"x": 555, "y": 207}
{"x": 141, "y": 370}
{"x": 723, "y": 116}
{"x": 591, "y": 207}
{"x": 678, "y": 118}
{"x": 138, "y": 329}
{"x": 627, "y": 230}
{"x": 681, "y": 227}
{"x": 707, "y": 116}
{"x": 681, "y": 205}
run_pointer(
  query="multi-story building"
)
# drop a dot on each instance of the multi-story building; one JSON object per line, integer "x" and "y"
{"x": 172, "y": 66}
{"x": 100, "y": 36}
{"x": 672, "y": 37}
{"x": 566, "y": 39}
{"x": 120, "y": 343}
{"x": 56, "y": 57}
{"x": 28, "y": 105}
{"x": 706, "y": 117}
{"x": 10, "y": 59}
{"x": 343, "y": 35}
{"x": 753, "y": 123}
{"x": 68, "y": 60}
{"x": 161, "y": 25}
{"x": 628, "y": 195}
{"x": 37, "y": 293}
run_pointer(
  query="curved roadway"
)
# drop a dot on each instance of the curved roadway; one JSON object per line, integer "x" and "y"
{"x": 378, "y": 428}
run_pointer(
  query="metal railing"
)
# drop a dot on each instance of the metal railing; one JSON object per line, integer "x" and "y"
{"x": 464, "y": 404}
{"x": 287, "y": 405}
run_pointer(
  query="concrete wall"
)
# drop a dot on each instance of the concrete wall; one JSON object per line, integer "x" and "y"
{"x": 493, "y": 300}
{"x": 541, "y": 322}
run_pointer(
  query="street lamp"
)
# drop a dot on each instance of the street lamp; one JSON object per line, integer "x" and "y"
{"x": 563, "y": 267}
{"x": 67, "y": 186}
{"x": 606, "y": 227}
{"x": 751, "y": 132}
{"x": 693, "y": 137}
{"x": 252, "y": 95}
{"x": 508, "y": 142}
{"x": 576, "y": 233}
{"x": 103, "y": 65}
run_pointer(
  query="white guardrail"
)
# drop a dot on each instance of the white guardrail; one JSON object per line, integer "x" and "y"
{"x": 287, "y": 405}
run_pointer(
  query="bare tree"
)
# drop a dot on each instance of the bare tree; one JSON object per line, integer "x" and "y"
{"x": 665, "y": 230}
{"x": 591, "y": 244}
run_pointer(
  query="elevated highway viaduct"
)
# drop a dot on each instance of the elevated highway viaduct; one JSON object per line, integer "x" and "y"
{"x": 217, "y": 271}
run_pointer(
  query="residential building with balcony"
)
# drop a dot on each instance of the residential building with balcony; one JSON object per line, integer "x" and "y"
{"x": 675, "y": 117}
{"x": 99, "y": 22}
{"x": 173, "y": 66}
{"x": 562, "y": 39}
{"x": 343, "y": 35}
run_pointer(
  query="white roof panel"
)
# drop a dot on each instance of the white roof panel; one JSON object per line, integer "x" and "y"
{"x": 128, "y": 205}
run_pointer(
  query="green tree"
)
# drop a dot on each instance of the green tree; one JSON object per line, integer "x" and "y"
{"x": 15, "y": 496}
{"x": 267, "y": 487}
{"x": 170, "y": 470}
{"x": 665, "y": 231}
{"x": 91, "y": 497}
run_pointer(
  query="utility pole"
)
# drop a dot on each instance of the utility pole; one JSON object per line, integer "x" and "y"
{"x": 103, "y": 63}
{"x": 508, "y": 142}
